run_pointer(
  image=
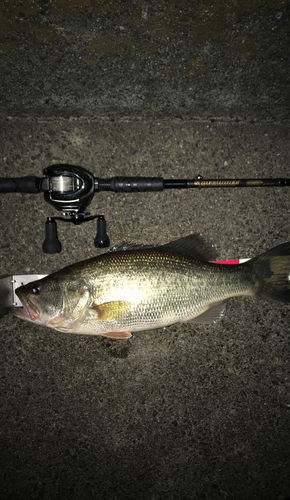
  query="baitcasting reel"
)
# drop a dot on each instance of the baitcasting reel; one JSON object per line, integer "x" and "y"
{"x": 70, "y": 190}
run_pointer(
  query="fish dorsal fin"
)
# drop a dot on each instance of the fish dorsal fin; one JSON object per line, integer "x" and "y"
{"x": 214, "y": 313}
{"x": 192, "y": 246}
{"x": 123, "y": 247}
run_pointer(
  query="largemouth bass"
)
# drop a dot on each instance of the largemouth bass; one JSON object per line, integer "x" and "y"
{"x": 141, "y": 288}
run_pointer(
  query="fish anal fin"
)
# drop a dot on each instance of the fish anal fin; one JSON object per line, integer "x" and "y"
{"x": 117, "y": 335}
{"x": 111, "y": 311}
{"x": 214, "y": 313}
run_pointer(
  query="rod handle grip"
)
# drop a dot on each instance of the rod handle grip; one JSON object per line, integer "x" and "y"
{"x": 131, "y": 184}
{"x": 28, "y": 184}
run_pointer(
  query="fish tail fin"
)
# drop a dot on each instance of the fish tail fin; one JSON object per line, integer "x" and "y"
{"x": 272, "y": 274}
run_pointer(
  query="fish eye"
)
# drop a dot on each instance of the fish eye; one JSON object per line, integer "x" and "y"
{"x": 35, "y": 288}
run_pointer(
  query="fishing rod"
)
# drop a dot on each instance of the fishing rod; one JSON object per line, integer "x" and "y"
{"x": 70, "y": 190}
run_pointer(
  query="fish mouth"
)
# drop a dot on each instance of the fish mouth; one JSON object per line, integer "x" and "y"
{"x": 29, "y": 310}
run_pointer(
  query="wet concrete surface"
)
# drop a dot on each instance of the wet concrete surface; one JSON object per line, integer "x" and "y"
{"x": 184, "y": 412}
{"x": 176, "y": 57}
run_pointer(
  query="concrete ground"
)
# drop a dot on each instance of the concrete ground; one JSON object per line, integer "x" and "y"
{"x": 182, "y": 57}
{"x": 189, "y": 411}
{"x": 171, "y": 89}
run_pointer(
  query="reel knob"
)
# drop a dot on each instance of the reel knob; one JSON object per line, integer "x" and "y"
{"x": 102, "y": 239}
{"x": 51, "y": 243}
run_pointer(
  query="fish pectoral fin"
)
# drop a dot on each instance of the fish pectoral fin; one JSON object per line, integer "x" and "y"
{"x": 117, "y": 335}
{"x": 214, "y": 313}
{"x": 112, "y": 311}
